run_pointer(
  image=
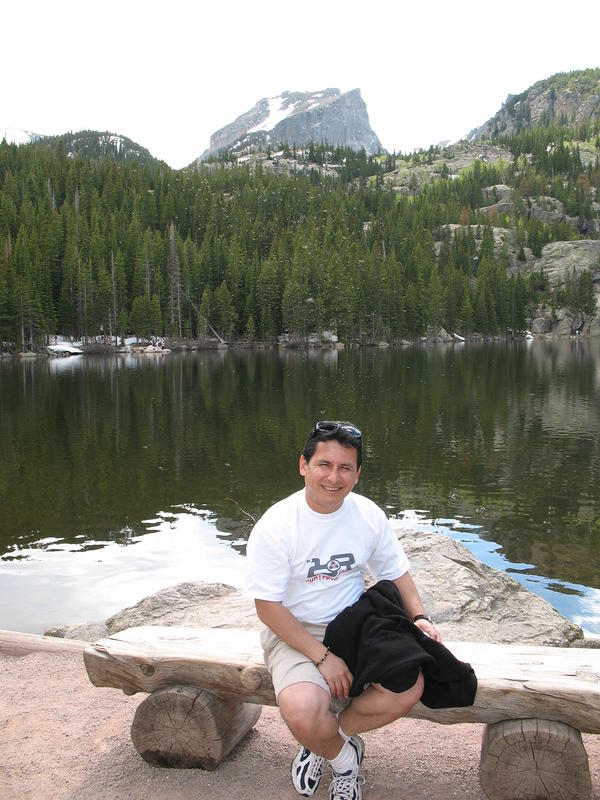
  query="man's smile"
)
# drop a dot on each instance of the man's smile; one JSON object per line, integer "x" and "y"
{"x": 331, "y": 461}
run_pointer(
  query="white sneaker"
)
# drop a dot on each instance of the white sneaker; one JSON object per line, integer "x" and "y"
{"x": 307, "y": 769}
{"x": 348, "y": 785}
{"x": 358, "y": 744}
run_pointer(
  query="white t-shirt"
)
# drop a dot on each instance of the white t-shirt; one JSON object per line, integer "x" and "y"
{"x": 315, "y": 563}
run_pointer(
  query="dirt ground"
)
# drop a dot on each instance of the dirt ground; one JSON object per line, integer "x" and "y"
{"x": 63, "y": 739}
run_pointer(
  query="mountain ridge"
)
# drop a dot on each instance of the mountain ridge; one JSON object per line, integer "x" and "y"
{"x": 91, "y": 144}
{"x": 298, "y": 118}
{"x": 340, "y": 119}
{"x": 563, "y": 98}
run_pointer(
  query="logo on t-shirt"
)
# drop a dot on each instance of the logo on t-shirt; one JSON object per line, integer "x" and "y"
{"x": 342, "y": 562}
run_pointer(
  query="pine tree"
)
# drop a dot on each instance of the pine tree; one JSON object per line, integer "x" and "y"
{"x": 465, "y": 316}
{"x": 174, "y": 284}
{"x": 137, "y": 318}
{"x": 435, "y": 310}
{"x": 225, "y": 313}
{"x": 204, "y": 314}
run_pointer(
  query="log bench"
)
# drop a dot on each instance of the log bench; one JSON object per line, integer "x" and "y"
{"x": 207, "y": 685}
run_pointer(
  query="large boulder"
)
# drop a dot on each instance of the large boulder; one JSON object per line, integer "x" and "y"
{"x": 592, "y": 327}
{"x": 211, "y": 605}
{"x": 498, "y": 192}
{"x": 437, "y": 335}
{"x": 468, "y": 600}
{"x": 569, "y": 324}
{"x": 541, "y": 325}
{"x": 83, "y": 631}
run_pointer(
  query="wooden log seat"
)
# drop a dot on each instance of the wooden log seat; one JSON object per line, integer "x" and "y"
{"x": 206, "y": 687}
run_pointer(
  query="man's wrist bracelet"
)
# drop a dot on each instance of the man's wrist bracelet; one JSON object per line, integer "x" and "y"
{"x": 322, "y": 659}
{"x": 422, "y": 616}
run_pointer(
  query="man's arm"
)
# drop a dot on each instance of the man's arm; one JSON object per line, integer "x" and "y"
{"x": 413, "y": 605}
{"x": 285, "y": 625}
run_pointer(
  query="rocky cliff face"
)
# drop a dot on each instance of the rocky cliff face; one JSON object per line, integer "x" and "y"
{"x": 571, "y": 97}
{"x": 299, "y": 118}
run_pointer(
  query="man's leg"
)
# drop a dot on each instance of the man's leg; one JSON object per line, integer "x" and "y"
{"x": 305, "y": 710}
{"x": 304, "y": 702}
{"x": 378, "y": 706}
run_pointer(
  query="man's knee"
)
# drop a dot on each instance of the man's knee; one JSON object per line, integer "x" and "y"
{"x": 303, "y": 706}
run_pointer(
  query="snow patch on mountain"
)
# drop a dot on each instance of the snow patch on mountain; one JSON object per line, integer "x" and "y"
{"x": 278, "y": 111}
{"x": 18, "y": 136}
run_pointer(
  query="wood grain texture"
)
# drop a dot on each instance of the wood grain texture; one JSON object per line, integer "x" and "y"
{"x": 13, "y": 643}
{"x": 515, "y": 681}
{"x": 186, "y": 727}
{"x": 532, "y": 760}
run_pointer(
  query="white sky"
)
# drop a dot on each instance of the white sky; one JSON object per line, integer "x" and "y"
{"x": 168, "y": 74}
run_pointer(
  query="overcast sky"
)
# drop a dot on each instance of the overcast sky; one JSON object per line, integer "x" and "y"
{"x": 168, "y": 74}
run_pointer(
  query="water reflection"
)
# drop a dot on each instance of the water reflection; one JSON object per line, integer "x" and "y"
{"x": 579, "y": 603}
{"x": 57, "y": 582}
{"x": 500, "y": 436}
{"x": 62, "y": 365}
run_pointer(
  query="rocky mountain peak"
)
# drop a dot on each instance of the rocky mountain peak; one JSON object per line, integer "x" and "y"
{"x": 299, "y": 118}
{"x": 567, "y": 97}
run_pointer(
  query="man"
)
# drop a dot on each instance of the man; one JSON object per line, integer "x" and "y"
{"x": 307, "y": 557}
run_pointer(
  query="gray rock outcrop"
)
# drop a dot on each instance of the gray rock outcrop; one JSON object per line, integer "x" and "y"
{"x": 559, "y": 259}
{"x": 547, "y": 209}
{"x": 592, "y": 327}
{"x": 437, "y": 335}
{"x": 211, "y": 605}
{"x": 541, "y": 325}
{"x": 574, "y": 96}
{"x": 84, "y": 631}
{"x": 468, "y": 600}
{"x": 300, "y": 118}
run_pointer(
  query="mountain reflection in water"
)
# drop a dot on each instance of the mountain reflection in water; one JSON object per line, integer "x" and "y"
{"x": 502, "y": 436}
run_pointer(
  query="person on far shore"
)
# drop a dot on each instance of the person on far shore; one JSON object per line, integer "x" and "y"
{"x": 307, "y": 558}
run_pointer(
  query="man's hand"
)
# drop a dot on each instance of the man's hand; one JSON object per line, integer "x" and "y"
{"x": 338, "y": 676}
{"x": 414, "y": 607}
{"x": 429, "y": 629}
{"x": 285, "y": 625}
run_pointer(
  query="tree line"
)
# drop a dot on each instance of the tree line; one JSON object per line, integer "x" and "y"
{"x": 91, "y": 247}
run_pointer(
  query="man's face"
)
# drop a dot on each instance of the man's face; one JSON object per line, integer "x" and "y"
{"x": 329, "y": 476}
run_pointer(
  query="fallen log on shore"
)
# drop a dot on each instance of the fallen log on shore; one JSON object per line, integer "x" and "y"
{"x": 13, "y": 643}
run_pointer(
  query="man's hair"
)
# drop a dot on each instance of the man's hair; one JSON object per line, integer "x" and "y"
{"x": 338, "y": 435}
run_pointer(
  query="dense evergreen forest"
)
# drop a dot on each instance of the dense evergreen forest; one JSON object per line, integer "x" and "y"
{"x": 97, "y": 246}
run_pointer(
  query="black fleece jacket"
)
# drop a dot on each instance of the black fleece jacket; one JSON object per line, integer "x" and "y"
{"x": 380, "y": 644}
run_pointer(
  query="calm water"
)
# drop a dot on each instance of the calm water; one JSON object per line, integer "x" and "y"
{"x": 121, "y": 475}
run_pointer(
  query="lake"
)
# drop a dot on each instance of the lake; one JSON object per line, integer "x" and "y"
{"x": 121, "y": 475}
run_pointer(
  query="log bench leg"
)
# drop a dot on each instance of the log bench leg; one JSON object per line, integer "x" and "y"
{"x": 182, "y": 726}
{"x": 534, "y": 759}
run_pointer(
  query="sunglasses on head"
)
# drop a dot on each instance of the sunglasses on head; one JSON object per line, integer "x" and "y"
{"x": 326, "y": 426}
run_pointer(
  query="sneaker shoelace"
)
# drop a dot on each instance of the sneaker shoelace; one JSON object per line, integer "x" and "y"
{"x": 315, "y": 769}
{"x": 343, "y": 787}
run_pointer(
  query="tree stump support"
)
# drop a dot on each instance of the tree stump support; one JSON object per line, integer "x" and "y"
{"x": 534, "y": 759}
{"x": 187, "y": 727}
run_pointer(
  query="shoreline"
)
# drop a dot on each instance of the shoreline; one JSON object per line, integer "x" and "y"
{"x": 178, "y": 345}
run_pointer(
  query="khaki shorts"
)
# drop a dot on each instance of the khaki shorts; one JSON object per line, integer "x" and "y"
{"x": 288, "y": 666}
